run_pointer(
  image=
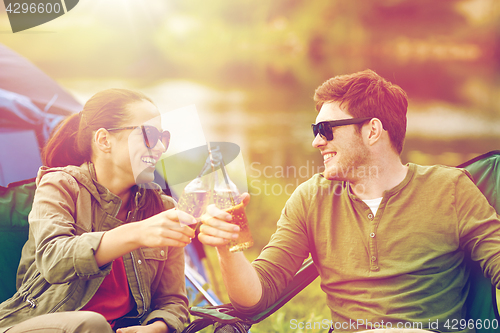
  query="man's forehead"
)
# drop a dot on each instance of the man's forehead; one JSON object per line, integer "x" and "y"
{"x": 331, "y": 111}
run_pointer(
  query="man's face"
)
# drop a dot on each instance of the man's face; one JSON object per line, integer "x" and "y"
{"x": 346, "y": 152}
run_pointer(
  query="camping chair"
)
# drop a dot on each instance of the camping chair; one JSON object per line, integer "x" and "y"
{"x": 482, "y": 301}
{"x": 15, "y": 204}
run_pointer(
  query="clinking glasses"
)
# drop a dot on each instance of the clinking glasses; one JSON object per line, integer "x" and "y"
{"x": 324, "y": 128}
{"x": 150, "y": 134}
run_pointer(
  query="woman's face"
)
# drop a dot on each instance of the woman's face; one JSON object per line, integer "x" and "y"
{"x": 133, "y": 157}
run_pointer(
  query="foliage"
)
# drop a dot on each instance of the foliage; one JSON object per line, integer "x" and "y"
{"x": 431, "y": 48}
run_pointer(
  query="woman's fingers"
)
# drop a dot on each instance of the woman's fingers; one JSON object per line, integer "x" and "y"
{"x": 216, "y": 228}
{"x": 177, "y": 215}
{"x": 164, "y": 229}
{"x": 182, "y": 234}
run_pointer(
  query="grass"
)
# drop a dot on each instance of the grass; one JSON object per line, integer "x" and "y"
{"x": 308, "y": 306}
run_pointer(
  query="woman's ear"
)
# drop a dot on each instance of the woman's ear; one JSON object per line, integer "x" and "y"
{"x": 102, "y": 140}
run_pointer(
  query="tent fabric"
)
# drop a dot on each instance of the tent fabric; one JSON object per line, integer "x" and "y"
{"x": 19, "y": 75}
{"x": 31, "y": 105}
{"x": 18, "y": 112}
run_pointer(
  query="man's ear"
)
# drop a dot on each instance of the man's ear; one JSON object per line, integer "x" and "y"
{"x": 375, "y": 130}
{"x": 102, "y": 140}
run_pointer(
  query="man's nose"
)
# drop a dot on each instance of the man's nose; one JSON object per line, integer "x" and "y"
{"x": 318, "y": 141}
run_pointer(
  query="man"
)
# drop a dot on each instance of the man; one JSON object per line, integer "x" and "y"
{"x": 388, "y": 239}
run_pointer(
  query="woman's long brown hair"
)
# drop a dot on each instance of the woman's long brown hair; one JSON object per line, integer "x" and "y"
{"x": 71, "y": 142}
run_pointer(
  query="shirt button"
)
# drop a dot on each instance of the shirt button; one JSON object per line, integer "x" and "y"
{"x": 370, "y": 216}
{"x": 162, "y": 253}
{"x": 372, "y": 235}
{"x": 139, "y": 261}
{"x": 374, "y": 258}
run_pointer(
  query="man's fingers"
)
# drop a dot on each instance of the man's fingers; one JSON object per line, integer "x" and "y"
{"x": 245, "y": 198}
{"x": 213, "y": 211}
{"x": 217, "y": 232}
{"x": 212, "y": 241}
{"x": 216, "y": 223}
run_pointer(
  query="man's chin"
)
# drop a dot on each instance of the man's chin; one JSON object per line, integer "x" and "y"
{"x": 331, "y": 174}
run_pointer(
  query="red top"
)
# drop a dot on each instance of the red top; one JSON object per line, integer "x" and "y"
{"x": 113, "y": 299}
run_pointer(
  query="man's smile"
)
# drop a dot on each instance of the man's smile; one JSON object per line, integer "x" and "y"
{"x": 327, "y": 156}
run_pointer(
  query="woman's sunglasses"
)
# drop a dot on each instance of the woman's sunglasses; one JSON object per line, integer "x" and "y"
{"x": 324, "y": 128}
{"x": 150, "y": 134}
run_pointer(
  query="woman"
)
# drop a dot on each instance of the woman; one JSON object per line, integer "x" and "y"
{"x": 86, "y": 267}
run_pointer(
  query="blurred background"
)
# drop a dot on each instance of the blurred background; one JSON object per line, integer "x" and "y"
{"x": 251, "y": 68}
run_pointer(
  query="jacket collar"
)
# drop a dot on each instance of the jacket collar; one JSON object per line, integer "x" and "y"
{"x": 137, "y": 193}
{"x": 86, "y": 176}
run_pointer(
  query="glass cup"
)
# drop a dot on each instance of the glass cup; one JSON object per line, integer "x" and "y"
{"x": 194, "y": 203}
{"x": 245, "y": 240}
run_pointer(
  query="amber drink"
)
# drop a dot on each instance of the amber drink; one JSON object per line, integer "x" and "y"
{"x": 245, "y": 240}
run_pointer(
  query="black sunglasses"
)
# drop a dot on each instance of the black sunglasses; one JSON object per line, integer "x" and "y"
{"x": 324, "y": 128}
{"x": 150, "y": 134}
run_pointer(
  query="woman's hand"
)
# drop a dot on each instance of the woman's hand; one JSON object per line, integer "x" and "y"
{"x": 162, "y": 229}
{"x": 168, "y": 228}
{"x": 158, "y": 326}
{"x": 217, "y": 228}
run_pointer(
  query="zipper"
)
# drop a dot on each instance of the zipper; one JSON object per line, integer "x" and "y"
{"x": 138, "y": 283}
{"x": 30, "y": 301}
{"x": 58, "y": 305}
{"x": 31, "y": 284}
{"x": 11, "y": 310}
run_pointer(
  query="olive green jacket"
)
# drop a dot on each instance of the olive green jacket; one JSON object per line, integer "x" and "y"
{"x": 58, "y": 271}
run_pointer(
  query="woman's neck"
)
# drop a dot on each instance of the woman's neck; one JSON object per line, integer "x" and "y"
{"x": 110, "y": 179}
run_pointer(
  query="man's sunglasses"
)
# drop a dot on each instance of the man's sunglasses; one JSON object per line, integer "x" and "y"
{"x": 150, "y": 134}
{"x": 324, "y": 128}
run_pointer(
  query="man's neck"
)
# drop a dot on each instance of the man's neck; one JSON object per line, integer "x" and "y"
{"x": 381, "y": 178}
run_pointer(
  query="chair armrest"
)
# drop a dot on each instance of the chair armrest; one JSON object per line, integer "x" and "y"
{"x": 306, "y": 274}
{"x": 226, "y": 313}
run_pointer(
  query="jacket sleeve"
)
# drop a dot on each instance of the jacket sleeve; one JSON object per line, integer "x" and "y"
{"x": 64, "y": 250}
{"x": 169, "y": 301}
{"x": 479, "y": 227}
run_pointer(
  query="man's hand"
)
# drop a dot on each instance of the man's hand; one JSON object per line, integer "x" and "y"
{"x": 217, "y": 228}
{"x": 158, "y": 326}
{"x": 240, "y": 278}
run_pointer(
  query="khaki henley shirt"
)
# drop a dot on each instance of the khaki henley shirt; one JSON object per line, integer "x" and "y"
{"x": 405, "y": 264}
